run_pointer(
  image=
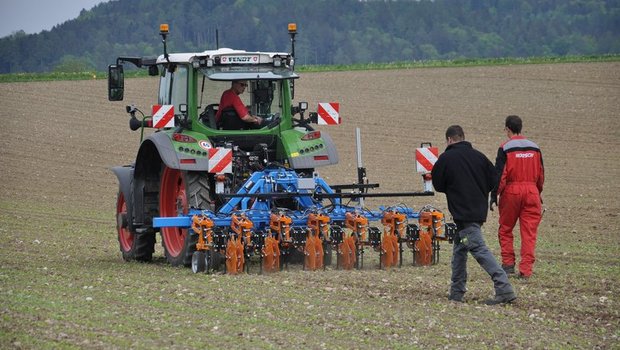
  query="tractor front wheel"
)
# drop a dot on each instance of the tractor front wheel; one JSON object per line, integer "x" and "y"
{"x": 133, "y": 246}
{"x": 179, "y": 191}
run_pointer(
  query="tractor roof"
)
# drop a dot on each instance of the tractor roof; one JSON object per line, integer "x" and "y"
{"x": 189, "y": 57}
{"x": 229, "y": 64}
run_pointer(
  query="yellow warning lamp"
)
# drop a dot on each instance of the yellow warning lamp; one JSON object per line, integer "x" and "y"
{"x": 163, "y": 28}
{"x": 292, "y": 28}
{"x": 163, "y": 31}
{"x": 292, "y": 31}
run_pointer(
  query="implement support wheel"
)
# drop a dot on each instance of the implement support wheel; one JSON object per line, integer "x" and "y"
{"x": 200, "y": 261}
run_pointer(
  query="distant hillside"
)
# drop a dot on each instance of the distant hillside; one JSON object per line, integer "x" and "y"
{"x": 330, "y": 32}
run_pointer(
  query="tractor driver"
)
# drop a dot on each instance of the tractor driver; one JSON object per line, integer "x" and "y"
{"x": 232, "y": 114}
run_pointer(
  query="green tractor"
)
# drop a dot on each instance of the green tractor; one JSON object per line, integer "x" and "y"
{"x": 191, "y": 159}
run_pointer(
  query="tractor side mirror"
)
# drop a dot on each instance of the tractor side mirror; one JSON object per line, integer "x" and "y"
{"x": 153, "y": 71}
{"x": 116, "y": 82}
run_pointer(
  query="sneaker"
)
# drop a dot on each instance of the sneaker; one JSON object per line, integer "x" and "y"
{"x": 456, "y": 297}
{"x": 502, "y": 299}
{"x": 509, "y": 269}
{"x": 523, "y": 277}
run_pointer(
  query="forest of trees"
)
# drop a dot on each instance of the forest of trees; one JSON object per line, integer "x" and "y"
{"x": 330, "y": 31}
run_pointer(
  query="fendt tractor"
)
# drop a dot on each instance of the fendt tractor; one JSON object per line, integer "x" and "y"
{"x": 226, "y": 198}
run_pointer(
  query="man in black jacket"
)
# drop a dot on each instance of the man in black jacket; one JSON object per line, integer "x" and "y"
{"x": 467, "y": 176}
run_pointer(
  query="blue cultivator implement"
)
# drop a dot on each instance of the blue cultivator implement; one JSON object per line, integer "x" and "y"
{"x": 251, "y": 225}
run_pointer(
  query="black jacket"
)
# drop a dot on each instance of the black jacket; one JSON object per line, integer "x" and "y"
{"x": 466, "y": 176}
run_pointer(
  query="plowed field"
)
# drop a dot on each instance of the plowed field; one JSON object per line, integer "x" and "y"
{"x": 63, "y": 282}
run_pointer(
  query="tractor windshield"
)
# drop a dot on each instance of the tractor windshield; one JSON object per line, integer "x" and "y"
{"x": 262, "y": 97}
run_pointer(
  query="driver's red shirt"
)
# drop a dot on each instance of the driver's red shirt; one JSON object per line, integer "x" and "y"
{"x": 231, "y": 99}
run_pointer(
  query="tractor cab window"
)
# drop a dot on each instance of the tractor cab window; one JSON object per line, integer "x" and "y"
{"x": 261, "y": 97}
{"x": 173, "y": 86}
{"x": 265, "y": 96}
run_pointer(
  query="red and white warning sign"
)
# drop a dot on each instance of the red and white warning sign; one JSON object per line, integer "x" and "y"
{"x": 425, "y": 158}
{"x": 220, "y": 160}
{"x": 329, "y": 113}
{"x": 163, "y": 116}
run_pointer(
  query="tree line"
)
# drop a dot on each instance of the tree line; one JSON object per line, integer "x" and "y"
{"x": 330, "y": 31}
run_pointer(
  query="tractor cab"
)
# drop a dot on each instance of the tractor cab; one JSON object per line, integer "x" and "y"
{"x": 268, "y": 77}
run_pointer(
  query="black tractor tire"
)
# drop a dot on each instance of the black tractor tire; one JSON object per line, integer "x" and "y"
{"x": 133, "y": 246}
{"x": 181, "y": 190}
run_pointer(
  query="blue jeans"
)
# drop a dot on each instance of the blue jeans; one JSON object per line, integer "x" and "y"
{"x": 470, "y": 241}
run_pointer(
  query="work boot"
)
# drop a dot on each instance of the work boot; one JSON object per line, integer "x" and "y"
{"x": 456, "y": 297}
{"x": 509, "y": 269}
{"x": 502, "y": 299}
{"x": 523, "y": 277}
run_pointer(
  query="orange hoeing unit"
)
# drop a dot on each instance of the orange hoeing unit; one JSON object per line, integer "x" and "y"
{"x": 347, "y": 250}
{"x": 235, "y": 258}
{"x": 358, "y": 224}
{"x": 438, "y": 225}
{"x": 240, "y": 237}
{"x": 242, "y": 226}
{"x": 203, "y": 226}
{"x": 396, "y": 221}
{"x": 393, "y": 229}
{"x": 318, "y": 224}
{"x": 280, "y": 231}
{"x": 280, "y": 224}
{"x": 271, "y": 255}
{"x": 318, "y": 230}
{"x": 423, "y": 247}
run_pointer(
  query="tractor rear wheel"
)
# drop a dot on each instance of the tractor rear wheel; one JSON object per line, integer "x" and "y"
{"x": 179, "y": 191}
{"x": 133, "y": 246}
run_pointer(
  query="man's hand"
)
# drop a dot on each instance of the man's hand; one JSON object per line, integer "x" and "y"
{"x": 259, "y": 120}
{"x": 492, "y": 201}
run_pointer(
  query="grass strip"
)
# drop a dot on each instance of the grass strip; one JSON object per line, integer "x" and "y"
{"x": 460, "y": 62}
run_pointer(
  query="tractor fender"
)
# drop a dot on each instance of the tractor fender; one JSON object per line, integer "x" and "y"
{"x": 332, "y": 151}
{"x": 328, "y": 156}
{"x": 124, "y": 174}
{"x": 171, "y": 157}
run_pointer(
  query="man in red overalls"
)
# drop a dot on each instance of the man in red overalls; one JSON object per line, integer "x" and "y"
{"x": 519, "y": 166}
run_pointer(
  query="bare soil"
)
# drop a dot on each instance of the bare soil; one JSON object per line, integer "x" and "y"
{"x": 59, "y": 140}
